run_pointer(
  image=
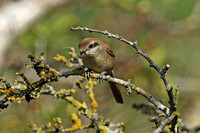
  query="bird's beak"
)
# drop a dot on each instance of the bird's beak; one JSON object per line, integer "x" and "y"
{"x": 82, "y": 53}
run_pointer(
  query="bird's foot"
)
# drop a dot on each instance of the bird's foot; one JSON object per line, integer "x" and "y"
{"x": 88, "y": 73}
{"x": 100, "y": 77}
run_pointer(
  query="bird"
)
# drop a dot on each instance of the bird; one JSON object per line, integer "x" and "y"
{"x": 98, "y": 56}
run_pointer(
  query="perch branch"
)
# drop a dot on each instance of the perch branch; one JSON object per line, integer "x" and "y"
{"x": 128, "y": 85}
{"x": 162, "y": 72}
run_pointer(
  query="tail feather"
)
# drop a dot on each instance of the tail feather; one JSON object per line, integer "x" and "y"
{"x": 115, "y": 90}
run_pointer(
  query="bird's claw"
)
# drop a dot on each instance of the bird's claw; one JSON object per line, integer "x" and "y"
{"x": 88, "y": 73}
{"x": 100, "y": 77}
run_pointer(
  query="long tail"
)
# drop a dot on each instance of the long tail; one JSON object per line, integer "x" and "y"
{"x": 115, "y": 90}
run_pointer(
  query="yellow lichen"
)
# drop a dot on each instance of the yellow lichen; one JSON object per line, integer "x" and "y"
{"x": 42, "y": 74}
{"x": 95, "y": 75}
{"x": 18, "y": 100}
{"x": 48, "y": 125}
{"x": 84, "y": 106}
{"x": 2, "y": 79}
{"x": 80, "y": 60}
{"x": 57, "y": 120}
{"x": 103, "y": 129}
{"x": 78, "y": 82}
{"x": 13, "y": 90}
{"x": 56, "y": 125}
{"x": 167, "y": 128}
{"x": 94, "y": 82}
{"x": 33, "y": 125}
{"x": 33, "y": 92}
{"x": 41, "y": 57}
{"x": 72, "y": 59}
{"x": 72, "y": 90}
{"x": 23, "y": 87}
{"x": 90, "y": 84}
{"x": 62, "y": 92}
{"x": 76, "y": 121}
{"x": 74, "y": 55}
{"x": 39, "y": 130}
{"x": 87, "y": 86}
{"x": 12, "y": 98}
{"x": 27, "y": 66}
{"x": 70, "y": 53}
{"x": 133, "y": 87}
{"x": 54, "y": 71}
{"x": 37, "y": 95}
{"x": 93, "y": 103}
{"x": 63, "y": 59}
{"x": 7, "y": 92}
{"x": 80, "y": 106}
{"x": 17, "y": 73}
{"x": 122, "y": 127}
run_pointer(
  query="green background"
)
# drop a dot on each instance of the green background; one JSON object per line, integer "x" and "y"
{"x": 155, "y": 24}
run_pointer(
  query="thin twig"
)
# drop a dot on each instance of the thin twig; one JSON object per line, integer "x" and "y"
{"x": 164, "y": 123}
{"x": 128, "y": 84}
{"x": 162, "y": 72}
{"x": 94, "y": 116}
{"x": 190, "y": 129}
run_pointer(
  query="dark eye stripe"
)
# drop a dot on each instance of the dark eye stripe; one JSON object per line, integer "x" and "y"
{"x": 91, "y": 46}
{"x": 95, "y": 44}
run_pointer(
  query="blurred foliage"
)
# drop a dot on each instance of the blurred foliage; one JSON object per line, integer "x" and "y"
{"x": 141, "y": 20}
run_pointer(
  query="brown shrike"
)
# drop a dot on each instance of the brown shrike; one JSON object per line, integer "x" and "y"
{"x": 99, "y": 57}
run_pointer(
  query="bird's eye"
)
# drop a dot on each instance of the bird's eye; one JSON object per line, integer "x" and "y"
{"x": 95, "y": 44}
{"x": 91, "y": 46}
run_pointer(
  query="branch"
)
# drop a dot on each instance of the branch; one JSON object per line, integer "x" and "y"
{"x": 48, "y": 74}
{"x": 162, "y": 72}
{"x": 166, "y": 122}
{"x": 99, "y": 121}
{"x": 128, "y": 85}
{"x": 33, "y": 90}
{"x": 190, "y": 129}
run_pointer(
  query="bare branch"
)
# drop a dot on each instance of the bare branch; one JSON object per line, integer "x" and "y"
{"x": 139, "y": 51}
{"x": 126, "y": 84}
{"x": 190, "y": 129}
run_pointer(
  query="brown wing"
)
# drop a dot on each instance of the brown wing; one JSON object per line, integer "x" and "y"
{"x": 108, "y": 48}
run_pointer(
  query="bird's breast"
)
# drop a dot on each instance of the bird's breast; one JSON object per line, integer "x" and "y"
{"x": 99, "y": 62}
